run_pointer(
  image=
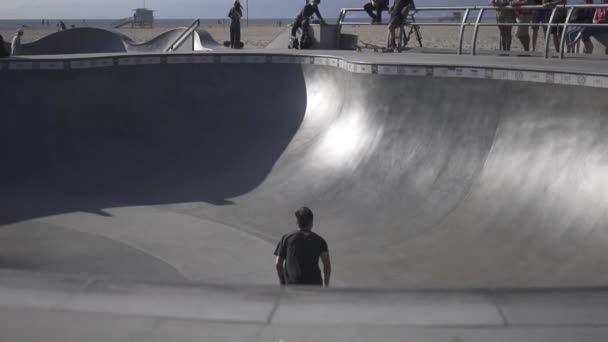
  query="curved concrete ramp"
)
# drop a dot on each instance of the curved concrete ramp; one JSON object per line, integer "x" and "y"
{"x": 421, "y": 176}
{"x": 96, "y": 40}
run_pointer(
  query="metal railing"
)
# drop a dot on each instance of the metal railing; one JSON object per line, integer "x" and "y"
{"x": 464, "y": 23}
{"x": 184, "y": 35}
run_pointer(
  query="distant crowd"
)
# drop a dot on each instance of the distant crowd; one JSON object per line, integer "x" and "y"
{"x": 534, "y": 19}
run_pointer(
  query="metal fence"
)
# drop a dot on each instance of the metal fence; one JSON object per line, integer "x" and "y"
{"x": 481, "y": 10}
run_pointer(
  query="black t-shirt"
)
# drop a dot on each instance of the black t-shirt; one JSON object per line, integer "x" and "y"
{"x": 301, "y": 251}
{"x": 309, "y": 10}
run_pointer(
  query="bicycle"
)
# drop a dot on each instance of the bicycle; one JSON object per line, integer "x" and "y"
{"x": 404, "y": 35}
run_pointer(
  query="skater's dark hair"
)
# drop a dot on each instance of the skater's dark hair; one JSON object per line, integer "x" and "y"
{"x": 305, "y": 217}
{"x": 238, "y": 6}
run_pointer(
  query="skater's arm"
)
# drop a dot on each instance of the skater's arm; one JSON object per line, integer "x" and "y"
{"x": 326, "y": 268}
{"x": 280, "y": 265}
{"x": 318, "y": 14}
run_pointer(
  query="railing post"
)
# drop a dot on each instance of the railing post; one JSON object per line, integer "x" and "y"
{"x": 476, "y": 31}
{"x": 339, "y": 28}
{"x": 562, "y": 41}
{"x": 182, "y": 37}
{"x": 462, "y": 26}
{"x": 548, "y": 34}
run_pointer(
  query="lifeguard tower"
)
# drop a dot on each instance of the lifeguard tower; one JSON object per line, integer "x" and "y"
{"x": 142, "y": 18}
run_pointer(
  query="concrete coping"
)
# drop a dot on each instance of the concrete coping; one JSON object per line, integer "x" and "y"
{"x": 586, "y": 73}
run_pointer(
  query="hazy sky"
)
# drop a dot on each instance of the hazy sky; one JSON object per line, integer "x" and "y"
{"x": 107, "y": 9}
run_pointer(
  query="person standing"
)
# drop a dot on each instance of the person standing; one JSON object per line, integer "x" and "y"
{"x": 523, "y": 16}
{"x": 235, "y": 14}
{"x": 538, "y": 18}
{"x": 16, "y": 43}
{"x": 559, "y": 18}
{"x": 298, "y": 254}
{"x": 3, "y": 50}
{"x": 399, "y": 12}
{"x": 578, "y": 33}
{"x": 504, "y": 16}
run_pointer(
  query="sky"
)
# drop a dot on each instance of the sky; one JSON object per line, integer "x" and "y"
{"x": 110, "y": 9}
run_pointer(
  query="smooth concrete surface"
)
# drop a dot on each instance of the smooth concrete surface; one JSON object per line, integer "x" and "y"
{"x": 58, "y": 307}
{"x": 416, "y": 181}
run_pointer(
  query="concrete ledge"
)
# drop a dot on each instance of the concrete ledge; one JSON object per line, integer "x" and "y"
{"x": 572, "y": 72}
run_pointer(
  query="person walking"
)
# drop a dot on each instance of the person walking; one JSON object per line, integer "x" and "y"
{"x": 235, "y": 14}
{"x": 298, "y": 254}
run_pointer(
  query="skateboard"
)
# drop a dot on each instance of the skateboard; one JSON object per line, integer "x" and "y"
{"x": 368, "y": 46}
{"x": 239, "y": 45}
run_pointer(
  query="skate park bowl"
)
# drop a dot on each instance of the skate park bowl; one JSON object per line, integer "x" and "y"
{"x": 463, "y": 199}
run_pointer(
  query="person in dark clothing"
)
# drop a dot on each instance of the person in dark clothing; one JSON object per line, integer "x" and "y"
{"x": 378, "y": 6}
{"x": 399, "y": 13}
{"x": 235, "y": 15}
{"x": 62, "y": 25}
{"x": 4, "y": 52}
{"x": 578, "y": 33}
{"x": 298, "y": 254}
{"x": 307, "y": 12}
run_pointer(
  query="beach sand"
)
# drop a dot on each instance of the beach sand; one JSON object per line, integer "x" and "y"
{"x": 258, "y": 36}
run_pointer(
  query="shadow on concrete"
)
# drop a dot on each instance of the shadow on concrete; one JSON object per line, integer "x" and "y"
{"x": 145, "y": 135}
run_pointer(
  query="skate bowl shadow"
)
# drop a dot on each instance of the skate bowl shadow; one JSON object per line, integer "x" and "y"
{"x": 172, "y": 133}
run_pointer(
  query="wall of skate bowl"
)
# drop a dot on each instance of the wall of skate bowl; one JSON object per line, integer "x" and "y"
{"x": 420, "y": 174}
{"x": 96, "y": 40}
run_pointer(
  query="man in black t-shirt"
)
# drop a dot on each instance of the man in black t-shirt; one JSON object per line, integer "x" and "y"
{"x": 298, "y": 254}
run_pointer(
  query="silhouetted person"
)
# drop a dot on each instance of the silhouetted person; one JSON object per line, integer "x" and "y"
{"x": 399, "y": 13}
{"x": 16, "y": 43}
{"x": 62, "y": 25}
{"x": 3, "y": 50}
{"x": 298, "y": 254}
{"x": 235, "y": 15}
{"x": 378, "y": 6}
{"x": 307, "y": 12}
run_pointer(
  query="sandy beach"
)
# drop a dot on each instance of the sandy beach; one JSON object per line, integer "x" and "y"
{"x": 258, "y": 36}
